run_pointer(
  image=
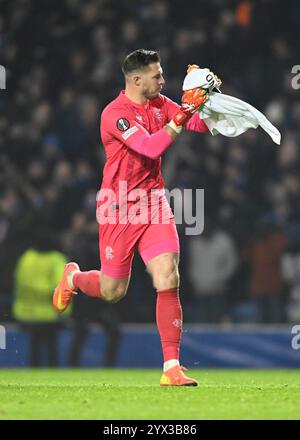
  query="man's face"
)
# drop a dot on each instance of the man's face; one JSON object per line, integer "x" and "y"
{"x": 152, "y": 81}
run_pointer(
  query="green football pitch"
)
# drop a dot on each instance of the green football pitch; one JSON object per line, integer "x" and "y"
{"x": 135, "y": 394}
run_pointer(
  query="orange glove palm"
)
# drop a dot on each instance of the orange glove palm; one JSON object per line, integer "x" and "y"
{"x": 194, "y": 99}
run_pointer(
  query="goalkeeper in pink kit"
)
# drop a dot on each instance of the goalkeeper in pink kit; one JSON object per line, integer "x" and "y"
{"x": 136, "y": 128}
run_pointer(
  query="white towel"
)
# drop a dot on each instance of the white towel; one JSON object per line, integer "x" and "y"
{"x": 225, "y": 114}
{"x": 231, "y": 116}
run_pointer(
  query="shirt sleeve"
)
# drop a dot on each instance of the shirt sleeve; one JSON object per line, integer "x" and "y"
{"x": 119, "y": 125}
{"x": 134, "y": 135}
{"x": 194, "y": 124}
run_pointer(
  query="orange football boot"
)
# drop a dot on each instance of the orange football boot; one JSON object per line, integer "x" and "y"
{"x": 63, "y": 292}
{"x": 175, "y": 377}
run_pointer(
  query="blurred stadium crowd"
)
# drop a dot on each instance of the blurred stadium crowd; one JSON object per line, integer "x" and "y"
{"x": 63, "y": 60}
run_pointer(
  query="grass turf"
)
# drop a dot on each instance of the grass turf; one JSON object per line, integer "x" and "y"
{"x": 135, "y": 394}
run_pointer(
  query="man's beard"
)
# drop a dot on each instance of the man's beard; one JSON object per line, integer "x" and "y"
{"x": 152, "y": 96}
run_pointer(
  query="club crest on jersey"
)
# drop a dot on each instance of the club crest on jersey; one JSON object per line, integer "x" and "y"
{"x": 158, "y": 114}
{"x": 123, "y": 124}
{"x": 109, "y": 253}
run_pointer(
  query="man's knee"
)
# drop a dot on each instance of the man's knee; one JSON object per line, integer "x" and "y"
{"x": 113, "y": 295}
{"x": 113, "y": 290}
{"x": 167, "y": 279}
{"x": 166, "y": 276}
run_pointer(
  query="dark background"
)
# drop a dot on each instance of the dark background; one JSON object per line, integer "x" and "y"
{"x": 63, "y": 62}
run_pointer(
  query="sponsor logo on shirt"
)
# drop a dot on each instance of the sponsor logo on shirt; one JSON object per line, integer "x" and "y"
{"x": 123, "y": 124}
{"x": 129, "y": 132}
{"x": 139, "y": 118}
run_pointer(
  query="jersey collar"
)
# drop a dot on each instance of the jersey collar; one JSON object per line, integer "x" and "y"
{"x": 125, "y": 99}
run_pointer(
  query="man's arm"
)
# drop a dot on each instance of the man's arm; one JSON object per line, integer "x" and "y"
{"x": 135, "y": 136}
{"x": 155, "y": 144}
{"x": 171, "y": 132}
{"x": 186, "y": 116}
{"x": 195, "y": 123}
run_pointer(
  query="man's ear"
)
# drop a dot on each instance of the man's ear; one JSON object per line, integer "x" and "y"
{"x": 136, "y": 79}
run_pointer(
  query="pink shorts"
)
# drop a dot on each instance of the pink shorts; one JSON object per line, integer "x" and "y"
{"x": 117, "y": 242}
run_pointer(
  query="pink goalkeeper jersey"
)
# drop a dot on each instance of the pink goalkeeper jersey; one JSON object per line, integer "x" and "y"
{"x": 123, "y": 122}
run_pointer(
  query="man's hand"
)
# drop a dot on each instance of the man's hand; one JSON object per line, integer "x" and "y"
{"x": 192, "y": 101}
{"x": 196, "y": 87}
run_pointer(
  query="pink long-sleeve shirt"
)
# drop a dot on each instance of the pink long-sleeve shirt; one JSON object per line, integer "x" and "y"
{"x": 134, "y": 139}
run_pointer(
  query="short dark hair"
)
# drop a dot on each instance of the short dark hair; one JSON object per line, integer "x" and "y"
{"x": 139, "y": 59}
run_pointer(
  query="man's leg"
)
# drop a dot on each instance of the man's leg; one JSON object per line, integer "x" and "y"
{"x": 109, "y": 284}
{"x": 96, "y": 284}
{"x": 165, "y": 275}
{"x": 93, "y": 283}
